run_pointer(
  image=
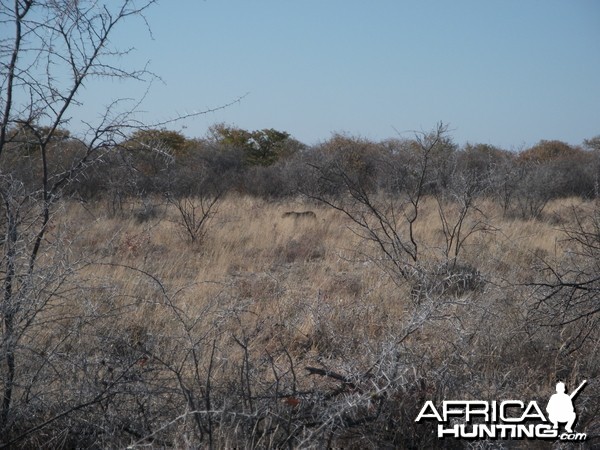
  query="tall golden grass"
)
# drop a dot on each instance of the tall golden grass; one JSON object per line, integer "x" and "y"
{"x": 263, "y": 296}
{"x": 291, "y": 266}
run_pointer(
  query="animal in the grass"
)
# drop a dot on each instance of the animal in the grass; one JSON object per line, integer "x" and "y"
{"x": 299, "y": 215}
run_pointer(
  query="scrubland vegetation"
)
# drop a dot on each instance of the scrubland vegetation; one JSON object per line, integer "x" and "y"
{"x": 156, "y": 294}
{"x": 271, "y": 331}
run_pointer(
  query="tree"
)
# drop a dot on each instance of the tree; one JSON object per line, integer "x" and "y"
{"x": 170, "y": 142}
{"x": 357, "y": 157}
{"x": 260, "y": 147}
{"x": 482, "y": 160}
{"x": 150, "y": 153}
{"x": 553, "y": 169}
{"x": 593, "y": 144}
{"x": 545, "y": 151}
{"x": 55, "y": 49}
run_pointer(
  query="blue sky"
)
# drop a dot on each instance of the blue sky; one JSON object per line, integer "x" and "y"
{"x": 507, "y": 73}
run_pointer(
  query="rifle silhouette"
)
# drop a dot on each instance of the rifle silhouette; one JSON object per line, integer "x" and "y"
{"x": 574, "y": 393}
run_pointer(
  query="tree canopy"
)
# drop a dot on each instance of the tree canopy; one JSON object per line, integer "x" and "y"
{"x": 261, "y": 147}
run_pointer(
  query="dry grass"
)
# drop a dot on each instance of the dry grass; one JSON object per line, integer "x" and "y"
{"x": 292, "y": 270}
{"x": 271, "y": 295}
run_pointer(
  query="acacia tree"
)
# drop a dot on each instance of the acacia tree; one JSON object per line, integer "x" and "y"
{"x": 260, "y": 147}
{"x": 50, "y": 51}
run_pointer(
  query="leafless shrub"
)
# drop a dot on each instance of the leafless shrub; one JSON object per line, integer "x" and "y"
{"x": 195, "y": 215}
{"x": 389, "y": 222}
{"x": 538, "y": 183}
{"x": 568, "y": 296}
{"x": 446, "y": 279}
{"x": 460, "y": 215}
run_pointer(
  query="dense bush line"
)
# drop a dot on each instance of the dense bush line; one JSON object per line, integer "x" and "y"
{"x": 271, "y": 164}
